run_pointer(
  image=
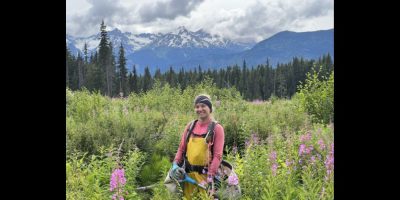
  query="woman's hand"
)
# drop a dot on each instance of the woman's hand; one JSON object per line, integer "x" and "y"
{"x": 210, "y": 185}
{"x": 177, "y": 172}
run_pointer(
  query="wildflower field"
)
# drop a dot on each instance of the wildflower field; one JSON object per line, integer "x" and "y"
{"x": 280, "y": 149}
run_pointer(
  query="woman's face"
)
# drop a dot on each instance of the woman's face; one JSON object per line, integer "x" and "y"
{"x": 202, "y": 110}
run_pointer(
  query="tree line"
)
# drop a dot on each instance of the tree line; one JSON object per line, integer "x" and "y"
{"x": 101, "y": 71}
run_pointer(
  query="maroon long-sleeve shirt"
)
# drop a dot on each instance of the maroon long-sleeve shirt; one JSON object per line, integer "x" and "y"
{"x": 219, "y": 136}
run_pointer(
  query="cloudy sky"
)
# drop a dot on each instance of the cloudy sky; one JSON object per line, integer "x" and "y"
{"x": 240, "y": 20}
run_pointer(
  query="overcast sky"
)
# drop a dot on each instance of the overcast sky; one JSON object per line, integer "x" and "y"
{"x": 239, "y": 20}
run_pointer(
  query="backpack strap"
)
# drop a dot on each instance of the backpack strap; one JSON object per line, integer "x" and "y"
{"x": 191, "y": 127}
{"x": 210, "y": 132}
{"x": 210, "y": 141}
{"x": 190, "y": 130}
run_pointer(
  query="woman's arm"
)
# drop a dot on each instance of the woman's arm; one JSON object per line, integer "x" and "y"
{"x": 182, "y": 146}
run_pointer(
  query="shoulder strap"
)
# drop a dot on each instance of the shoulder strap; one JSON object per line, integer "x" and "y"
{"x": 210, "y": 132}
{"x": 189, "y": 131}
{"x": 210, "y": 140}
{"x": 192, "y": 124}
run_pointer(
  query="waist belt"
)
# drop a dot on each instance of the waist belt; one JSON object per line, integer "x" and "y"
{"x": 195, "y": 168}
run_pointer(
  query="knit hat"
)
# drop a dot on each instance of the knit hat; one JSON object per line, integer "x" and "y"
{"x": 203, "y": 99}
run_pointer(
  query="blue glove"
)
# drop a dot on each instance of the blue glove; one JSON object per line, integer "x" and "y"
{"x": 174, "y": 166}
{"x": 177, "y": 172}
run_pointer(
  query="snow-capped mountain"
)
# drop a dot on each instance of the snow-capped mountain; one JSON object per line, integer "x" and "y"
{"x": 130, "y": 41}
{"x": 279, "y": 48}
{"x": 180, "y": 38}
{"x": 161, "y": 50}
{"x": 184, "y": 48}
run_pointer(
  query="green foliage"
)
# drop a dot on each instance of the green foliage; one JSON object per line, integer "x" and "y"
{"x": 293, "y": 181}
{"x": 88, "y": 177}
{"x": 153, "y": 171}
{"x": 154, "y": 121}
{"x": 316, "y": 96}
{"x": 151, "y": 125}
{"x": 103, "y": 73}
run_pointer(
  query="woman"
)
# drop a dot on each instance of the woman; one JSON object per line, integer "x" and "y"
{"x": 202, "y": 159}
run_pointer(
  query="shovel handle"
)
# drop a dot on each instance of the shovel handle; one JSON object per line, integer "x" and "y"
{"x": 192, "y": 181}
{"x": 146, "y": 187}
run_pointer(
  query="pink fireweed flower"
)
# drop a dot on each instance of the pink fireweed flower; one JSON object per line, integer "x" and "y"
{"x": 274, "y": 168}
{"x": 255, "y": 139}
{"x": 272, "y": 156}
{"x": 309, "y": 149}
{"x": 234, "y": 149}
{"x": 209, "y": 179}
{"x": 306, "y": 137}
{"x": 302, "y": 138}
{"x": 312, "y": 160}
{"x": 321, "y": 144}
{"x": 117, "y": 179}
{"x": 301, "y": 149}
{"x": 247, "y": 143}
{"x": 233, "y": 180}
{"x": 329, "y": 164}
{"x": 329, "y": 161}
{"x": 288, "y": 163}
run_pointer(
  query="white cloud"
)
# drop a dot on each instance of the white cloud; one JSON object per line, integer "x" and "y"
{"x": 167, "y": 9}
{"x": 250, "y": 20}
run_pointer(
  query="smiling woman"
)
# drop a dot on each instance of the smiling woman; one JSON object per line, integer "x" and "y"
{"x": 196, "y": 156}
{"x": 136, "y": 71}
{"x": 203, "y": 107}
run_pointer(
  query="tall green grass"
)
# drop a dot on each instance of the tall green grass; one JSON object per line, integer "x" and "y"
{"x": 151, "y": 125}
